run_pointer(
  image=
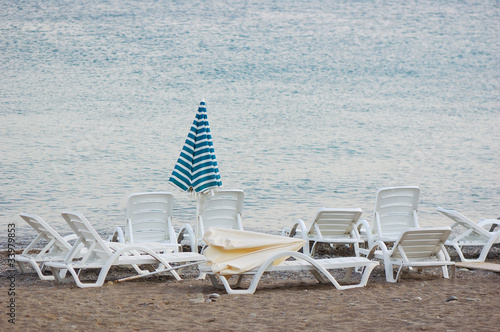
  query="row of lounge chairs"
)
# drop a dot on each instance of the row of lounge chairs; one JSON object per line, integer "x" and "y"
{"x": 395, "y": 213}
{"x": 90, "y": 251}
{"x": 226, "y": 248}
{"x": 149, "y": 244}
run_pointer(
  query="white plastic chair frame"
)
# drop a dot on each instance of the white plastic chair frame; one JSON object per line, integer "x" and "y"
{"x": 57, "y": 247}
{"x": 474, "y": 234}
{"x": 149, "y": 220}
{"x": 318, "y": 268}
{"x": 104, "y": 255}
{"x": 420, "y": 248}
{"x": 395, "y": 211}
{"x": 217, "y": 208}
{"x": 330, "y": 225}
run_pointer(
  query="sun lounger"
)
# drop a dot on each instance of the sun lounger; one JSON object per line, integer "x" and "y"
{"x": 302, "y": 263}
{"x": 56, "y": 248}
{"x": 420, "y": 248}
{"x": 217, "y": 208}
{"x": 149, "y": 220}
{"x": 103, "y": 255}
{"x": 330, "y": 225}
{"x": 395, "y": 211}
{"x": 483, "y": 234}
{"x": 239, "y": 253}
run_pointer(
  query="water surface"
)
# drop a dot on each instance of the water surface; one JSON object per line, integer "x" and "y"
{"x": 311, "y": 104}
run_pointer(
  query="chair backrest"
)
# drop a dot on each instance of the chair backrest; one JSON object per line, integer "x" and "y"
{"x": 395, "y": 211}
{"x": 421, "y": 243}
{"x": 56, "y": 244}
{"x": 97, "y": 250}
{"x": 149, "y": 217}
{"x": 335, "y": 223}
{"x": 221, "y": 209}
{"x": 476, "y": 231}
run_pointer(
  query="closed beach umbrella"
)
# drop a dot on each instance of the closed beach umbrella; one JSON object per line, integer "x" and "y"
{"x": 232, "y": 251}
{"x": 196, "y": 169}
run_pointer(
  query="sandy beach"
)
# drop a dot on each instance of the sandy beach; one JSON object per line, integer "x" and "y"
{"x": 291, "y": 302}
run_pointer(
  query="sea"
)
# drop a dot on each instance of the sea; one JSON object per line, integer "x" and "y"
{"x": 311, "y": 104}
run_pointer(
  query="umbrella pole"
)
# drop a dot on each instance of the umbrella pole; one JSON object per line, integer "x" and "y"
{"x": 197, "y": 220}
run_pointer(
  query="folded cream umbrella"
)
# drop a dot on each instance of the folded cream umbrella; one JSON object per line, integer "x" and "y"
{"x": 233, "y": 252}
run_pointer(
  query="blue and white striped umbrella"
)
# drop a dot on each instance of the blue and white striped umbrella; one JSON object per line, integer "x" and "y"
{"x": 196, "y": 169}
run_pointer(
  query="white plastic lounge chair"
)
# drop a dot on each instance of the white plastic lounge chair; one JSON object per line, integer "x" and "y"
{"x": 472, "y": 234}
{"x": 56, "y": 248}
{"x": 420, "y": 248}
{"x": 217, "y": 208}
{"x": 332, "y": 226}
{"x": 239, "y": 253}
{"x": 103, "y": 255}
{"x": 149, "y": 220}
{"x": 395, "y": 211}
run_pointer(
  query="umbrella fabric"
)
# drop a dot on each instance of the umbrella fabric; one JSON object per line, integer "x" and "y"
{"x": 232, "y": 251}
{"x": 196, "y": 169}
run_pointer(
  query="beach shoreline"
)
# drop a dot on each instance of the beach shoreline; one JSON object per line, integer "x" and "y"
{"x": 283, "y": 301}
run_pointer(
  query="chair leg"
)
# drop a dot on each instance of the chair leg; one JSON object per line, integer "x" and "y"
{"x": 389, "y": 273}
{"x": 445, "y": 272}
{"x": 249, "y": 290}
{"x": 215, "y": 282}
{"x": 459, "y": 251}
{"x": 398, "y": 275}
{"x": 238, "y": 282}
{"x": 313, "y": 249}
{"x": 60, "y": 275}
{"x": 318, "y": 277}
{"x": 22, "y": 266}
{"x": 367, "y": 270}
{"x": 348, "y": 274}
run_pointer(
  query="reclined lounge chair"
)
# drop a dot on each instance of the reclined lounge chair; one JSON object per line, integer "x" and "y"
{"x": 57, "y": 247}
{"x": 483, "y": 234}
{"x": 420, "y": 248}
{"x": 103, "y": 255}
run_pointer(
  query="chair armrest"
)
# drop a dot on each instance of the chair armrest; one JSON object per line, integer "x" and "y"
{"x": 70, "y": 237}
{"x": 493, "y": 223}
{"x": 362, "y": 226}
{"x": 382, "y": 246}
{"x": 365, "y": 231}
{"x": 303, "y": 229}
{"x": 186, "y": 229}
{"x": 117, "y": 236}
{"x": 290, "y": 232}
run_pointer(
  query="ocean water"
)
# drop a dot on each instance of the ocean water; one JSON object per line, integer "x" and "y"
{"x": 311, "y": 104}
